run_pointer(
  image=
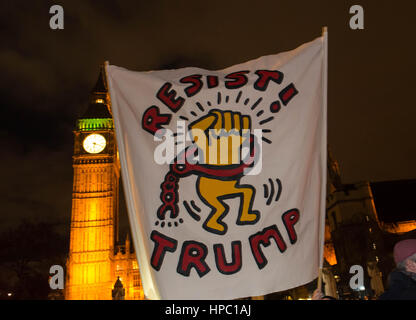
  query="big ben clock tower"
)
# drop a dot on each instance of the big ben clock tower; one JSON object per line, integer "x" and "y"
{"x": 94, "y": 216}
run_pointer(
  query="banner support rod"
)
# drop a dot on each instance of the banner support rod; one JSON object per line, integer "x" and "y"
{"x": 324, "y": 154}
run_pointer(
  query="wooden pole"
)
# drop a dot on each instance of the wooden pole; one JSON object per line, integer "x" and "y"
{"x": 322, "y": 222}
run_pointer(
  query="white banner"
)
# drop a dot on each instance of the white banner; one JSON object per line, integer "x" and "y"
{"x": 225, "y": 173}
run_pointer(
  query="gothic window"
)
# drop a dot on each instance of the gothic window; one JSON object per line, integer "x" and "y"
{"x": 136, "y": 279}
{"x": 135, "y": 266}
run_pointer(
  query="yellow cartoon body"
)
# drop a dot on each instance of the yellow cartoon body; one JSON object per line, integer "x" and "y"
{"x": 219, "y": 137}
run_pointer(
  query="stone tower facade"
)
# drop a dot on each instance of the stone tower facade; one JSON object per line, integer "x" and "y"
{"x": 95, "y": 257}
{"x": 354, "y": 233}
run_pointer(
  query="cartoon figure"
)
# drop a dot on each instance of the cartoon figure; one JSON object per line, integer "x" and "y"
{"x": 219, "y": 137}
{"x": 225, "y": 134}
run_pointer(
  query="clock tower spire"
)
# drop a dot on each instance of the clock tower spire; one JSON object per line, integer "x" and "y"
{"x": 94, "y": 216}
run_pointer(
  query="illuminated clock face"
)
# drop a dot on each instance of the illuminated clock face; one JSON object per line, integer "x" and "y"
{"x": 94, "y": 143}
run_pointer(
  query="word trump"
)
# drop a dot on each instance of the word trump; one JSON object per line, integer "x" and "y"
{"x": 193, "y": 253}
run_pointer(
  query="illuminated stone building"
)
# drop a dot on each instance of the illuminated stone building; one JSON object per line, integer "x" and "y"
{"x": 355, "y": 233}
{"x": 364, "y": 221}
{"x": 96, "y": 260}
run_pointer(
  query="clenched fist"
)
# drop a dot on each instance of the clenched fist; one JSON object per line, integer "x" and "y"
{"x": 220, "y": 135}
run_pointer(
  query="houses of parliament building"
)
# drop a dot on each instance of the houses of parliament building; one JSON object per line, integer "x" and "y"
{"x": 358, "y": 228}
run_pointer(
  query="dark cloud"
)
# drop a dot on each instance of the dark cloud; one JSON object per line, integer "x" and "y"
{"x": 36, "y": 186}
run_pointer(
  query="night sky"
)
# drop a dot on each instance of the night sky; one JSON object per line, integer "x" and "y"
{"x": 46, "y": 77}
